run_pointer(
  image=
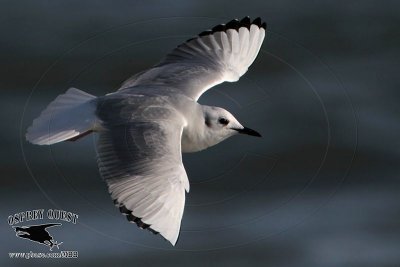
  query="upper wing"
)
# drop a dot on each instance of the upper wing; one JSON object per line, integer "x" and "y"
{"x": 140, "y": 159}
{"x": 214, "y": 56}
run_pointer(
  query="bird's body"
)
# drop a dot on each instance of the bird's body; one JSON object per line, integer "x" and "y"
{"x": 154, "y": 117}
{"x": 157, "y": 107}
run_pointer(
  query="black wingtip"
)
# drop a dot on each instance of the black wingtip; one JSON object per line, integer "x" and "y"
{"x": 219, "y": 28}
{"x": 236, "y": 24}
{"x": 233, "y": 24}
{"x": 123, "y": 209}
{"x": 132, "y": 218}
{"x": 264, "y": 25}
{"x": 257, "y": 21}
{"x": 190, "y": 39}
{"x": 246, "y": 22}
{"x": 207, "y": 32}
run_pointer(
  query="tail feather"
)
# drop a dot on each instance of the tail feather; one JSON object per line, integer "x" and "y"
{"x": 68, "y": 116}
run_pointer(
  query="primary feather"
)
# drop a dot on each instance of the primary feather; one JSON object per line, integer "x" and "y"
{"x": 143, "y": 125}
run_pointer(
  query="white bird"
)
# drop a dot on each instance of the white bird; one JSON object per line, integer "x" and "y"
{"x": 145, "y": 126}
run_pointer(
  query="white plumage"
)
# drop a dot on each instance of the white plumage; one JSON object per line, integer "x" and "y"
{"x": 146, "y": 125}
{"x": 68, "y": 116}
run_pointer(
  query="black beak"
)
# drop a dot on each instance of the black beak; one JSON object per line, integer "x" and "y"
{"x": 248, "y": 131}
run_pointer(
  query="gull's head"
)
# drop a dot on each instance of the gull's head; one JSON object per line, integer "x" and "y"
{"x": 221, "y": 124}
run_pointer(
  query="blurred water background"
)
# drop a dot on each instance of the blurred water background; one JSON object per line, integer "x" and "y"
{"x": 319, "y": 189}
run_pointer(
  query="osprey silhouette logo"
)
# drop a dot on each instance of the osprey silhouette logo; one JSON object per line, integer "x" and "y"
{"x": 38, "y": 233}
{"x": 42, "y": 233}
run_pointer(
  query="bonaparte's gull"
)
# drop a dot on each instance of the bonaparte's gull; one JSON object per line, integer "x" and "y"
{"x": 145, "y": 126}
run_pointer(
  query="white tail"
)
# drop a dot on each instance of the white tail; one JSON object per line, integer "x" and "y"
{"x": 69, "y": 115}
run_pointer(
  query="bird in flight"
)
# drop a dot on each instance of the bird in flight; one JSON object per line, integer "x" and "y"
{"x": 144, "y": 127}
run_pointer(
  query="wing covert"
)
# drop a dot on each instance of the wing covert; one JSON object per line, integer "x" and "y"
{"x": 140, "y": 160}
{"x": 214, "y": 56}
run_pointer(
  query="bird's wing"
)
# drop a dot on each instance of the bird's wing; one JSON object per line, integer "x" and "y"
{"x": 139, "y": 157}
{"x": 214, "y": 56}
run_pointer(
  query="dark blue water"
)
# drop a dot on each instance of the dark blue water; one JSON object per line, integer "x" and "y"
{"x": 319, "y": 189}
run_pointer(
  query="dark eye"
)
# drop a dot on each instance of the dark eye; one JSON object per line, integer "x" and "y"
{"x": 223, "y": 121}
